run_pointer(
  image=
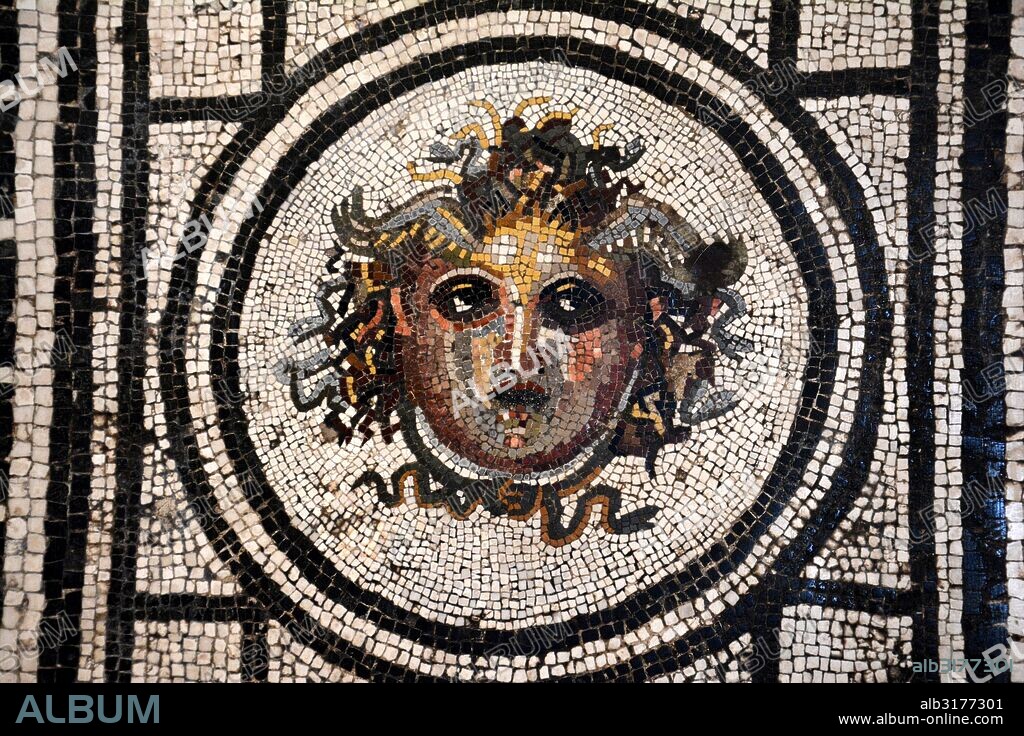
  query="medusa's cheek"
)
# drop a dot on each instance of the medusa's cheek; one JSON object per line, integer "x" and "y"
{"x": 600, "y": 354}
{"x": 457, "y": 369}
{"x": 480, "y": 349}
{"x": 466, "y": 360}
{"x": 598, "y": 367}
{"x": 585, "y": 354}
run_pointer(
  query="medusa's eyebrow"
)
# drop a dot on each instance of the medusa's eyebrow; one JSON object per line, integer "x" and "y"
{"x": 597, "y": 263}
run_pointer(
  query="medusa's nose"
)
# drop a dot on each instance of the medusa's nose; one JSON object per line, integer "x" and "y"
{"x": 518, "y": 393}
{"x": 519, "y": 345}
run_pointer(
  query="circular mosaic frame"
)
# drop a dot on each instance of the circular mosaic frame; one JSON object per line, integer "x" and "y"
{"x": 667, "y": 594}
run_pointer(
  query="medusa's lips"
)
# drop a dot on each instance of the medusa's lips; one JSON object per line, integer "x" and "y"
{"x": 523, "y": 395}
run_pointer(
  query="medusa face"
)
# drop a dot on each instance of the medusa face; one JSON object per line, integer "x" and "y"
{"x": 536, "y": 316}
{"x": 521, "y": 354}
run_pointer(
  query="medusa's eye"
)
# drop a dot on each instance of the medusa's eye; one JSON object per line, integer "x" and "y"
{"x": 573, "y": 305}
{"x": 465, "y": 299}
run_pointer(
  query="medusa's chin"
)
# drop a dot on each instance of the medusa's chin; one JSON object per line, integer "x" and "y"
{"x": 509, "y": 440}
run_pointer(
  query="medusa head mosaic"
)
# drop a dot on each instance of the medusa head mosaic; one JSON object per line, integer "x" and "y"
{"x": 520, "y": 325}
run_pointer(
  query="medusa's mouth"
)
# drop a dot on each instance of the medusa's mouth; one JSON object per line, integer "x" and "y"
{"x": 519, "y": 408}
{"x": 525, "y": 396}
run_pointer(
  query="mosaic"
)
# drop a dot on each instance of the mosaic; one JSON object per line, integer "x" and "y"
{"x": 551, "y": 318}
{"x": 511, "y": 341}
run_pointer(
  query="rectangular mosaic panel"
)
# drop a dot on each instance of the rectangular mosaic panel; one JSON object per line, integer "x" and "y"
{"x": 511, "y": 341}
